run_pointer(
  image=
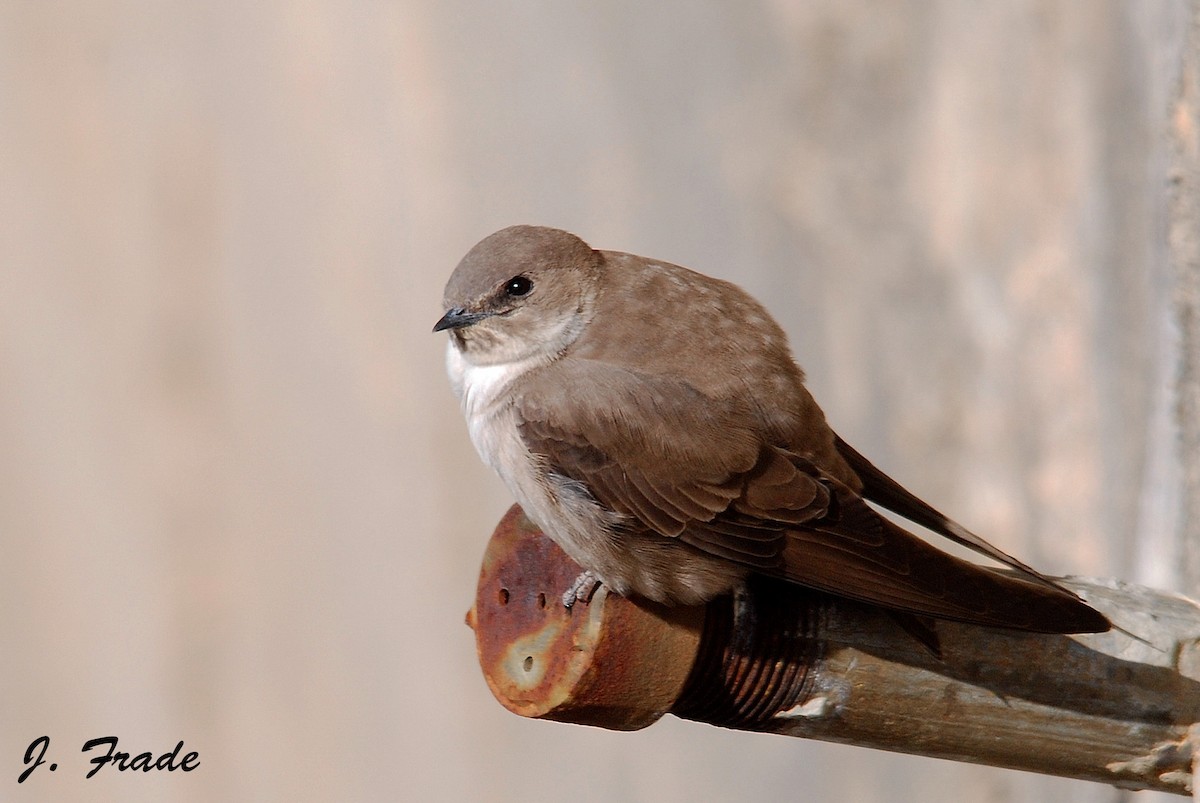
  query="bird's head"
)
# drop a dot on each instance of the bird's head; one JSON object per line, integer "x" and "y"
{"x": 523, "y": 292}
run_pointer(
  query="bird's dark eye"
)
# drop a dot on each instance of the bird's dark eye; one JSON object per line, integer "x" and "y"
{"x": 518, "y": 286}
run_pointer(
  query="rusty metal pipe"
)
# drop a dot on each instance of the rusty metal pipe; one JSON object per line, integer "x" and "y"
{"x": 776, "y": 658}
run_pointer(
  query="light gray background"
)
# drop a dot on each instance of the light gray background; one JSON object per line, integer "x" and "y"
{"x": 238, "y": 505}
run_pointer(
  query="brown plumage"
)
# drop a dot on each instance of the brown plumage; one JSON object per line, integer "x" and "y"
{"x": 652, "y": 421}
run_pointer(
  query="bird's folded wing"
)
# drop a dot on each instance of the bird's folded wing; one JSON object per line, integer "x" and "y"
{"x": 688, "y": 467}
{"x": 676, "y": 463}
{"x": 655, "y": 450}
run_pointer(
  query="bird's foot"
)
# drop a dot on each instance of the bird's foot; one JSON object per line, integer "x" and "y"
{"x": 581, "y": 590}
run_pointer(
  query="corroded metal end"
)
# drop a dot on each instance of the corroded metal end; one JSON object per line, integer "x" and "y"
{"x": 589, "y": 664}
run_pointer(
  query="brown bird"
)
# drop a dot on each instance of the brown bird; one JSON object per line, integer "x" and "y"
{"x": 651, "y": 420}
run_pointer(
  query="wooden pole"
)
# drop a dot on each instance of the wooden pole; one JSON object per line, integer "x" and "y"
{"x": 1109, "y": 707}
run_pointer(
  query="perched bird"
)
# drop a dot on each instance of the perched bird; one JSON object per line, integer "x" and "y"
{"x": 651, "y": 420}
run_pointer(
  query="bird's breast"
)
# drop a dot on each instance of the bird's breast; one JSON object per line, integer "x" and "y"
{"x": 484, "y": 393}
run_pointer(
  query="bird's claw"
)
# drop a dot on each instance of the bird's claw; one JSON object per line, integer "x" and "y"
{"x": 581, "y": 590}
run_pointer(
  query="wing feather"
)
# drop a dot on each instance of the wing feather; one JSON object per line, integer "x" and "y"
{"x": 701, "y": 470}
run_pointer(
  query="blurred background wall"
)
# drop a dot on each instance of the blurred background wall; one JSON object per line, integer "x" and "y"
{"x": 238, "y": 505}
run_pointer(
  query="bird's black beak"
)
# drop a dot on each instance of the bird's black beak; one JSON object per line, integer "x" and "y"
{"x": 456, "y": 318}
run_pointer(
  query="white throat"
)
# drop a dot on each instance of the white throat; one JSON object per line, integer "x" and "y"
{"x": 480, "y": 387}
{"x": 482, "y": 391}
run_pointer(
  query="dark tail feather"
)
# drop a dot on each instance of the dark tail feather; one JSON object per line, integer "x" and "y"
{"x": 886, "y": 492}
{"x": 864, "y": 556}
